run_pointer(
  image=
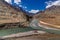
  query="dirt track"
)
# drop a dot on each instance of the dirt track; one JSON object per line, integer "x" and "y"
{"x": 38, "y": 37}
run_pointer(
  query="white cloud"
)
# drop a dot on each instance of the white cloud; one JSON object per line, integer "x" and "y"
{"x": 25, "y": 7}
{"x": 20, "y": 5}
{"x": 50, "y": 3}
{"x": 17, "y": 1}
{"x": 34, "y": 11}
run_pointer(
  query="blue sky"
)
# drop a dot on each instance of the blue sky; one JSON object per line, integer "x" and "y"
{"x": 34, "y": 6}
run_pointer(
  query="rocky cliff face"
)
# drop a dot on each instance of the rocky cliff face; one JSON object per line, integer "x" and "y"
{"x": 52, "y": 10}
{"x": 9, "y": 14}
{"x": 50, "y": 15}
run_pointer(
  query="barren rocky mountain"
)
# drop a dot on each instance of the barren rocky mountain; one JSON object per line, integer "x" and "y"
{"x": 50, "y": 16}
{"x": 11, "y": 16}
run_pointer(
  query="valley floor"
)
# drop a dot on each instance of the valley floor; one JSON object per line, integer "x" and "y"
{"x": 38, "y": 37}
